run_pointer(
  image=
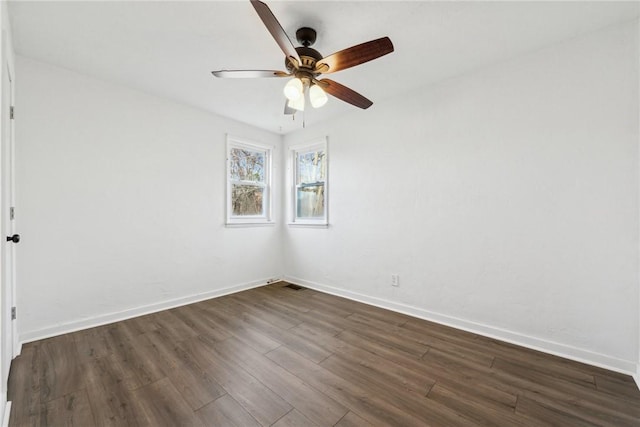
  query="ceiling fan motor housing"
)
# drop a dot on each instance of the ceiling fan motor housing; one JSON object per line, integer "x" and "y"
{"x": 308, "y": 59}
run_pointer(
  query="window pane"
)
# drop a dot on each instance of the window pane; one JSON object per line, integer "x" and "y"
{"x": 310, "y": 201}
{"x": 247, "y": 200}
{"x": 311, "y": 167}
{"x": 247, "y": 165}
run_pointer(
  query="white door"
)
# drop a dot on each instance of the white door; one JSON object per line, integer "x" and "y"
{"x": 7, "y": 277}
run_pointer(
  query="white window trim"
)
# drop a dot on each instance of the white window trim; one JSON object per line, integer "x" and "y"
{"x": 253, "y": 220}
{"x": 313, "y": 145}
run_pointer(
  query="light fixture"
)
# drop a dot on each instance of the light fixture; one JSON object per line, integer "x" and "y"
{"x": 317, "y": 97}
{"x": 294, "y": 90}
{"x": 297, "y": 104}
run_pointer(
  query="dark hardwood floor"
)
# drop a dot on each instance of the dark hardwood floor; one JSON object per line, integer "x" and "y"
{"x": 275, "y": 356}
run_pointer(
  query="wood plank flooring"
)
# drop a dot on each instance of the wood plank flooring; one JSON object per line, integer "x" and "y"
{"x": 275, "y": 356}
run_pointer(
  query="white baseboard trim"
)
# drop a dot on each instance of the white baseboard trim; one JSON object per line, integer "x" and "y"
{"x": 636, "y": 376}
{"x": 557, "y": 349}
{"x": 105, "y": 319}
{"x": 6, "y": 413}
{"x": 17, "y": 349}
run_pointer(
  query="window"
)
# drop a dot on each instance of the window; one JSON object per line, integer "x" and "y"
{"x": 309, "y": 189}
{"x": 248, "y": 182}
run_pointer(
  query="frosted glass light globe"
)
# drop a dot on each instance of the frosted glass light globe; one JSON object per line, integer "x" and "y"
{"x": 317, "y": 96}
{"x": 297, "y": 104}
{"x": 293, "y": 89}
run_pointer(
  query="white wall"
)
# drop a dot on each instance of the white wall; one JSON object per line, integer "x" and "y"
{"x": 506, "y": 200}
{"x": 120, "y": 201}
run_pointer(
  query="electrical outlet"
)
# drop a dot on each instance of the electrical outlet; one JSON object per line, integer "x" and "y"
{"x": 395, "y": 280}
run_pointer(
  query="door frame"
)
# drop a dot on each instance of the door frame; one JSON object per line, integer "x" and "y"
{"x": 12, "y": 202}
{"x": 9, "y": 342}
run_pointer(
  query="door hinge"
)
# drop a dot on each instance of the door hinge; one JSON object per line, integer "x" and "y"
{"x": 12, "y": 213}
{"x": 12, "y": 112}
{"x": 13, "y": 313}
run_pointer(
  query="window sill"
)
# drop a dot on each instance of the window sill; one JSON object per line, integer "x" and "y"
{"x": 308, "y": 225}
{"x": 249, "y": 224}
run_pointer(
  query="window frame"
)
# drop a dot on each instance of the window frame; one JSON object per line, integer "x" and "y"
{"x": 250, "y": 220}
{"x": 294, "y": 152}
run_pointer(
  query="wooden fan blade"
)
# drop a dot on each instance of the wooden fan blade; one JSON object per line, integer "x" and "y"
{"x": 248, "y": 74}
{"x": 355, "y": 55}
{"x": 345, "y": 94}
{"x": 276, "y": 30}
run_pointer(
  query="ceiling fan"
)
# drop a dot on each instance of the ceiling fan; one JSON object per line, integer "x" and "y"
{"x": 305, "y": 65}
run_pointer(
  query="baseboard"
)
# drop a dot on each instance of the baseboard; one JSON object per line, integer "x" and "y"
{"x": 557, "y": 349}
{"x": 6, "y": 413}
{"x": 91, "y": 322}
{"x": 636, "y": 376}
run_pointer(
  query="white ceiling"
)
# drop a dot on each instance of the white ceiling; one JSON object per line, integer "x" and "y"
{"x": 169, "y": 48}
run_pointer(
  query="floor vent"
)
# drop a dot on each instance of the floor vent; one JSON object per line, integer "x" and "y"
{"x": 294, "y": 287}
